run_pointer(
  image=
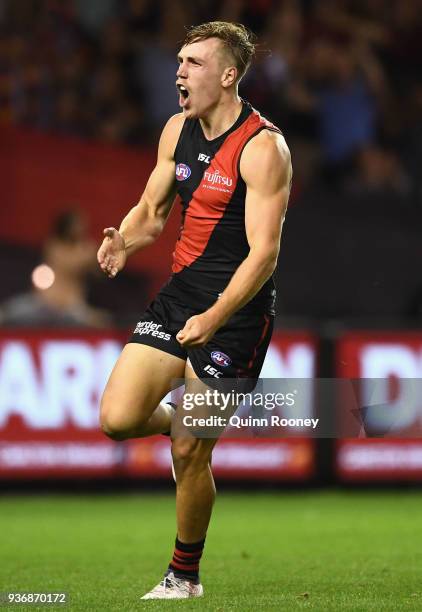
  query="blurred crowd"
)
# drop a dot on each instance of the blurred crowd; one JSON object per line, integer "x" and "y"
{"x": 58, "y": 295}
{"x": 60, "y": 283}
{"x": 342, "y": 78}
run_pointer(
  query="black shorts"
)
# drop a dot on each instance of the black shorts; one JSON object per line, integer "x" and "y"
{"x": 236, "y": 351}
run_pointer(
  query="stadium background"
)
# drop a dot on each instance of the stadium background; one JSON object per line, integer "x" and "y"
{"x": 85, "y": 88}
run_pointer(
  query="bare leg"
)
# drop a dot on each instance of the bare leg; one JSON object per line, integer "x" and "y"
{"x": 195, "y": 492}
{"x": 195, "y": 484}
{"x": 130, "y": 406}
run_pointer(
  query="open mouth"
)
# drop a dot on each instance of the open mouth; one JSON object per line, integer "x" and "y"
{"x": 184, "y": 93}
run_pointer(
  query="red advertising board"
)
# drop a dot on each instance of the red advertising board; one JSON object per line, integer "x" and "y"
{"x": 392, "y": 358}
{"x": 50, "y": 386}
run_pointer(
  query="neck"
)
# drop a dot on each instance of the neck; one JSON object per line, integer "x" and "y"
{"x": 221, "y": 118}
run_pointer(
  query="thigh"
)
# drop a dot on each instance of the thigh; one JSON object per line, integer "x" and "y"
{"x": 140, "y": 379}
{"x": 203, "y": 414}
{"x": 235, "y": 354}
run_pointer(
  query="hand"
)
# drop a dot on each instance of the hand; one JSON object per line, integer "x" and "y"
{"x": 198, "y": 330}
{"x": 112, "y": 253}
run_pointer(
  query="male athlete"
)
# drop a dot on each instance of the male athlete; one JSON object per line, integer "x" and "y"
{"x": 231, "y": 169}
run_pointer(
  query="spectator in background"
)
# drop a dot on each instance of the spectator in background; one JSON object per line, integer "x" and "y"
{"x": 73, "y": 71}
{"x": 411, "y": 138}
{"x": 277, "y": 65}
{"x": 365, "y": 20}
{"x": 346, "y": 109}
{"x": 276, "y": 61}
{"x": 335, "y": 74}
{"x": 68, "y": 114}
{"x": 58, "y": 297}
{"x": 31, "y": 94}
{"x": 378, "y": 173}
{"x": 93, "y": 14}
{"x": 347, "y": 83}
{"x": 142, "y": 19}
{"x": 157, "y": 64}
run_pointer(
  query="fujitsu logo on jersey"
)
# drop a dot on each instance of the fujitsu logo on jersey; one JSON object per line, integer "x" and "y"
{"x": 216, "y": 178}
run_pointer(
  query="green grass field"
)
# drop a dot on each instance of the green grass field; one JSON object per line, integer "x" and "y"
{"x": 287, "y": 551}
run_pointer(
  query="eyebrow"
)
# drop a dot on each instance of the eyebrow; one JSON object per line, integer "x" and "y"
{"x": 190, "y": 58}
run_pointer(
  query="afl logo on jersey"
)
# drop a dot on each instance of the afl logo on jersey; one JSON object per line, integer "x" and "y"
{"x": 220, "y": 359}
{"x": 183, "y": 172}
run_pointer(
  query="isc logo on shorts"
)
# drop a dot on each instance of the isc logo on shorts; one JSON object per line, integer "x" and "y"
{"x": 212, "y": 371}
{"x": 148, "y": 328}
{"x": 183, "y": 172}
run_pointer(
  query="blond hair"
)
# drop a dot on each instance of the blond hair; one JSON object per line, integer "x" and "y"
{"x": 236, "y": 39}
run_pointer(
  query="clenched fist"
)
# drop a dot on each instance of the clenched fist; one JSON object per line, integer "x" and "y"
{"x": 198, "y": 330}
{"x": 112, "y": 253}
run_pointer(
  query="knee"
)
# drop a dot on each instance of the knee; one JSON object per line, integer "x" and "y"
{"x": 113, "y": 429}
{"x": 183, "y": 449}
{"x": 119, "y": 421}
{"x": 112, "y": 424}
{"x": 189, "y": 453}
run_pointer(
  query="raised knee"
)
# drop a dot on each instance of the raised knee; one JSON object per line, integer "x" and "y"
{"x": 113, "y": 429}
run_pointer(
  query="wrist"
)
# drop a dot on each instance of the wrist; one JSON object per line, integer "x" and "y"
{"x": 125, "y": 244}
{"x": 216, "y": 315}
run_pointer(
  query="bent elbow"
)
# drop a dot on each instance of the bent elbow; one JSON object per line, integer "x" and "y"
{"x": 271, "y": 257}
{"x": 265, "y": 257}
{"x": 272, "y": 263}
{"x": 269, "y": 262}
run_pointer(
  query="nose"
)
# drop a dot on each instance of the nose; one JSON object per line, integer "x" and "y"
{"x": 181, "y": 71}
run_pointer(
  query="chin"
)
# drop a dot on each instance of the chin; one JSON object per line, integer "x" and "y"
{"x": 190, "y": 113}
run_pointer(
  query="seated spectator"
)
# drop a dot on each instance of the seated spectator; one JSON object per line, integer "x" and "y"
{"x": 58, "y": 296}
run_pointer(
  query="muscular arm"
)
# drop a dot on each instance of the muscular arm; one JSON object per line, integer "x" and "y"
{"x": 145, "y": 221}
{"x": 266, "y": 169}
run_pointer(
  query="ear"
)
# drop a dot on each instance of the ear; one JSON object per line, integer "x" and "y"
{"x": 229, "y": 76}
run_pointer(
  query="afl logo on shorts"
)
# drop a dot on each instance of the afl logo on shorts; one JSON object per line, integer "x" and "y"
{"x": 220, "y": 359}
{"x": 183, "y": 172}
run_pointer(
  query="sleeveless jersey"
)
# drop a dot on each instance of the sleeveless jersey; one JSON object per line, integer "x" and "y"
{"x": 212, "y": 241}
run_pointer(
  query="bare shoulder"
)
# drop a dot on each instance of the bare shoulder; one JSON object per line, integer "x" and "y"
{"x": 175, "y": 123}
{"x": 170, "y": 135}
{"x": 268, "y": 152}
{"x": 267, "y": 147}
